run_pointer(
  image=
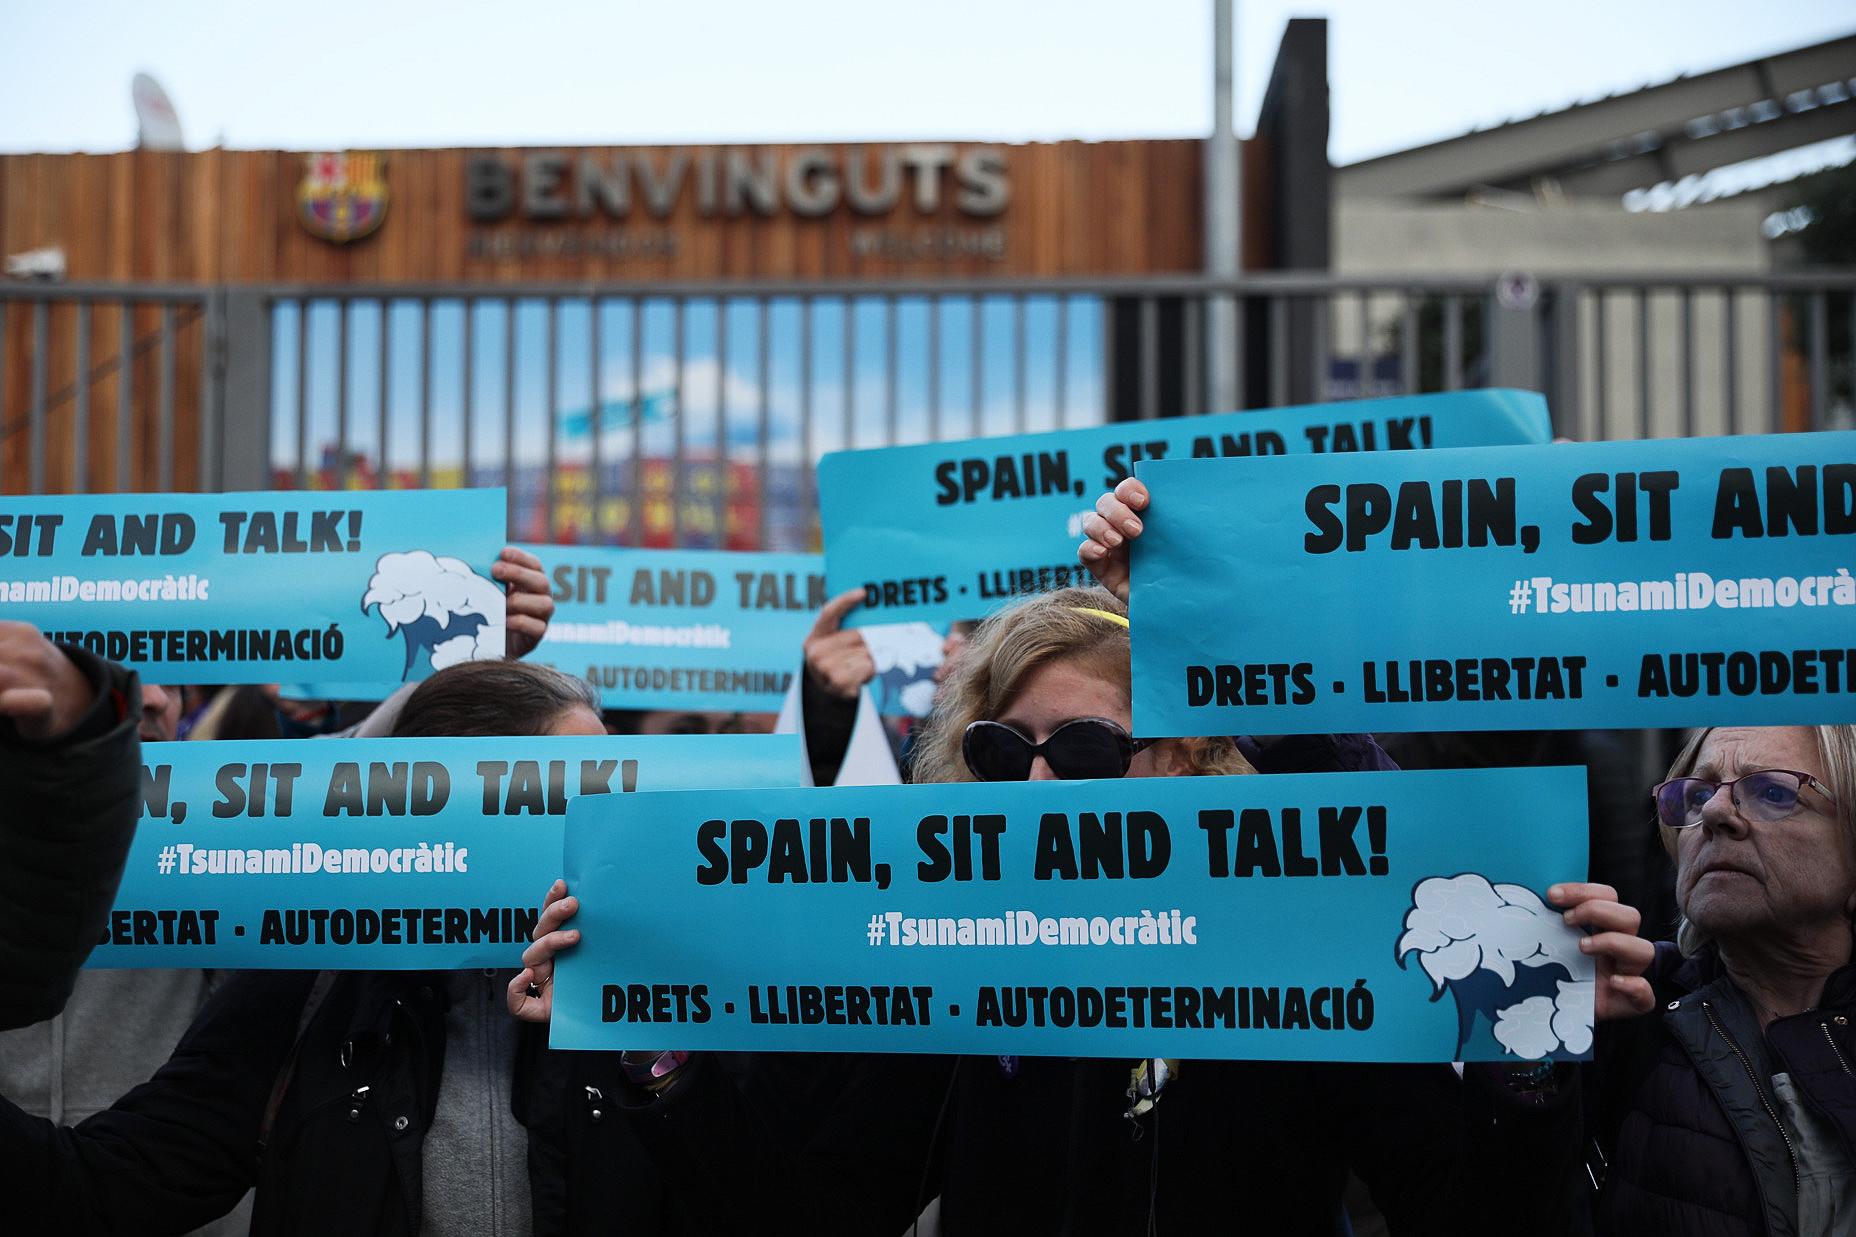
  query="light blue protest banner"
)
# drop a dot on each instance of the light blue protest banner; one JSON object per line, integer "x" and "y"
{"x": 279, "y": 586}
{"x": 1675, "y": 583}
{"x": 680, "y": 629}
{"x": 708, "y": 629}
{"x": 378, "y": 854}
{"x": 1320, "y": 917}
{"x": 953, "y": 530}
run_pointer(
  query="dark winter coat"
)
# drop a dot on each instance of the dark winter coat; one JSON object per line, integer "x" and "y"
{"x": 1687, "y": 1124}
{"x": 68, "y": 807}
{"x": 326, "y": 1117}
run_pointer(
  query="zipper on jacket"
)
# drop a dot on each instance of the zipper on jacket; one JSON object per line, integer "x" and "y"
{"x": 1752, "y": 1077}
{"x": 1835, "y": 1051}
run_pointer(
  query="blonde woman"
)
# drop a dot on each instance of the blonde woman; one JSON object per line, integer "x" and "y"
{"x": 1024, "y": 1145}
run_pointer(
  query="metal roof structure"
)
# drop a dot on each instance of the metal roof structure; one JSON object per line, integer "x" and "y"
{"x": 1664, "y": 132}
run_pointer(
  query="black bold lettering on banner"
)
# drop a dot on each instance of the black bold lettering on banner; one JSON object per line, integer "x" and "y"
{"x": 155, "y": 782}
{"x": 1030, "y": 475}
{"x": 1118, "y": 460}
{"x": 17, "y": 535}
{"x": 1800, "y": 501}
{"x": 151, "y": 534}
{"x": 580, "y": 584}
{"x": 672, "y": 587}
{"x": 954, "y": 856}
{"x": 823, "y": 849}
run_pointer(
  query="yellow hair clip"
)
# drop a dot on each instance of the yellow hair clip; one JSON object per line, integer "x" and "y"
{"x": 1112, "y": 617}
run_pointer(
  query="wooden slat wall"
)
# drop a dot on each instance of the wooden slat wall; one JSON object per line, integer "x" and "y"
{"x": 228, "y": 216}
{"x": 1077, "y": 208}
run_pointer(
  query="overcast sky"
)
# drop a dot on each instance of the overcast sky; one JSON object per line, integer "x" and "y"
{"x": 255, "y": 73}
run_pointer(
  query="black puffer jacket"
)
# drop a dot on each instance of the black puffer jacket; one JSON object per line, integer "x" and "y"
{"x": 67, "y": 815}
{"x": 1683, "y": 1100}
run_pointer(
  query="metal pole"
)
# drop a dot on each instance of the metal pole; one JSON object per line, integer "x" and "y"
{"x": 1222, "y": 221}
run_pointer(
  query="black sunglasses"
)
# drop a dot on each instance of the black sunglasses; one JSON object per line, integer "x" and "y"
{"x": 1086, "y": 747}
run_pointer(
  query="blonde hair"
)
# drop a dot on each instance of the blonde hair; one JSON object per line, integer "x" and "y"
{"x": 1076, "y": 625}
{"x": 1836, "y": 749}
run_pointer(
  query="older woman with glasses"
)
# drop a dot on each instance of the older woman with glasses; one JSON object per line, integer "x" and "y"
{"x": 1732, "y": 1109}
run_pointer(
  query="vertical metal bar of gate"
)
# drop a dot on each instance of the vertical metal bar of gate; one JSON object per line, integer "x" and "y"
{"x": 302, "y": 393}
{"x": 1060, "y": 350}
{"x": 1686, "y": 354}
{"x": 808, "y": 485}
{"x": 1150, "y": 358}
{"x": 382, "y": 419}
{"x": 808, "y": 472}
{"x": 1601, "y": 385}
{"x": 509, "y": 404}
{"x": 1453, "y": 342}
{"x": 1730, "y": 358}
{"x": 1192, "y": 355}
{"x": 763, "y": 377}
{"x": 211, "y": 470}
{"x": 718, "y": 493}
{"x": 1775, "y": 361}
{"x": 891, "y": 361}
{"x": 1820, "y": 367}
{"x": 1643, "y": 362}
{"x": 35, "y": 408}
{"x": 635, "y": 505}
{"x": 1367, "y": 356}
{"x": 1408, "y": 363}
{"x": 678, "y": 477}
{"x": 551, "y": 366}
{"x": 1279, "y": 350}
{"x": 934, "y": 368}
{"x": 425, "y": 392}
{"x": 1018, "y": 364}
{"x": 340, "y": 477}
{"x": 978, "y": 373}
{"x": 1321, "y": 351}
{"x": 467, "y": 375}
{"x": 164, "y": 459}
{"x": 596, "y": 421}
{"x": 850, "y": 375}
{"x": 80, "y": 409}
{"x": 125, "y": 395}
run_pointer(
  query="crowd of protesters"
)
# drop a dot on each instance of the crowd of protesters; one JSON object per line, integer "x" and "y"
{"x": 1721, "y": 1098}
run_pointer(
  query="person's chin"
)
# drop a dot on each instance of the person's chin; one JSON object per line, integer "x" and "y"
{"x": 1726, "y": 904}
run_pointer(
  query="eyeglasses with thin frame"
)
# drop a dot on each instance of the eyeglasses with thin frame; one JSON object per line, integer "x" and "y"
{"x": 1083, "y": 747}
{"x": 1762, "y": 797}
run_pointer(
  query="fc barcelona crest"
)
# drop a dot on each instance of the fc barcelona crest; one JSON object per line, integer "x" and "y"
{"x": 343, "y": 197}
